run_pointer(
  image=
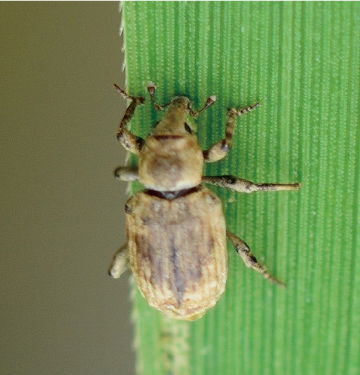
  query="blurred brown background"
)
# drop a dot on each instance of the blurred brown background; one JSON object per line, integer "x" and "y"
{"x": 61, "y": 209}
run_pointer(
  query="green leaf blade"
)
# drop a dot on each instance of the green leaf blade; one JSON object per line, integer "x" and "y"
{"x": 301, "y": 61}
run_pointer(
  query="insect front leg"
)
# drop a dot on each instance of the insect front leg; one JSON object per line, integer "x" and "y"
{"x": 219, "y": 149}
{"x": 119, "y": 263}
{"x": 126, "y": 174}
{"x": 129, "y": 141}
{"x": 245, "y": 186}
{"x": 249, "y": 259}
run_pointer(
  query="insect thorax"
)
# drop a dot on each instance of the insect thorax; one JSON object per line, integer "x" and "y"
{"x": 171, "y": 162}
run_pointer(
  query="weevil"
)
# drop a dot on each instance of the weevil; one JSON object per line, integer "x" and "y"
{"x": 175, "y": 227}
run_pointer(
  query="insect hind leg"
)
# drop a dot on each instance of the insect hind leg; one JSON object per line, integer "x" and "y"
{"x": 126, "y": 174}
{"x": 249, "y": 259}
{"x": 119, "y": 263}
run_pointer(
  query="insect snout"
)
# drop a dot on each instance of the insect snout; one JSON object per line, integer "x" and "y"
{"x": 181, "y": 101}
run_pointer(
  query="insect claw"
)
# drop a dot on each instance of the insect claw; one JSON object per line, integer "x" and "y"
{"x": 274, "y": 280}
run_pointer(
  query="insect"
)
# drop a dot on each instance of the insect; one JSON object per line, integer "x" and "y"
{"x": 175, "y": 227}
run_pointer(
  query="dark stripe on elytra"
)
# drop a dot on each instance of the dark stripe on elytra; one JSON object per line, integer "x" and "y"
{"x": 193, "y": 272}
{"x": 157, "y": 265}
{"x": 143, "y": 253}
{"x": 198, "y": 261}
{"x": 178, "y": 288}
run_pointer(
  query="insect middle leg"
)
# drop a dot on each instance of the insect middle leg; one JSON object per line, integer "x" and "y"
{"x": 219, "y": 149}
{"x": 126, "y": 174}
{"x": 249, "y": 259}
{"x": 129, "y": 141}
{"x": 119, "y": 263}
{"x": 245, "y": 186}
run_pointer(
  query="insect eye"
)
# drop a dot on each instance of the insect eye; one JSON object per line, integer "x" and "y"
{"x": 187, "y": 128}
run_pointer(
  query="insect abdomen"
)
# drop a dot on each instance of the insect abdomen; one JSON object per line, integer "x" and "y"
{"x": 177, "y": 251}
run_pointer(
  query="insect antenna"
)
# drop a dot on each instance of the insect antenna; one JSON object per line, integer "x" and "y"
{"x": 209, "y": 101}
{"x": 151, "y": 90}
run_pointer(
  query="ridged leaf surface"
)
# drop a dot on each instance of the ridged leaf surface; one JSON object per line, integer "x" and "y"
{"x": 301, "y": 61}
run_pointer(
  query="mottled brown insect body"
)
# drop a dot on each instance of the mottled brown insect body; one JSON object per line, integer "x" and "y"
{"x": 177, "y": 251}
{"x": 176, "y": 231}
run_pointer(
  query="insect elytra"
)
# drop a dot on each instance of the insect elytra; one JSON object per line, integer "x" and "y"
{"x": 175, "y": 228}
